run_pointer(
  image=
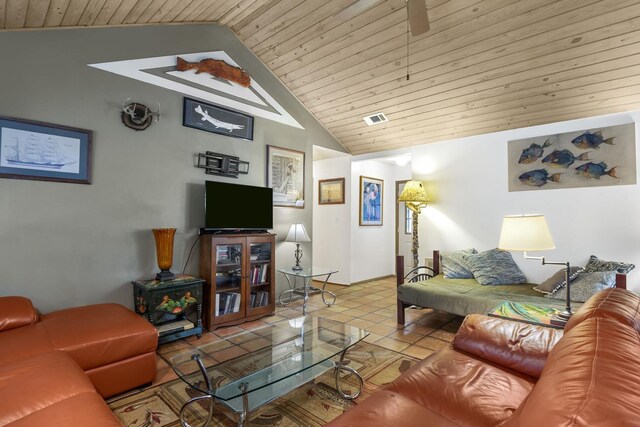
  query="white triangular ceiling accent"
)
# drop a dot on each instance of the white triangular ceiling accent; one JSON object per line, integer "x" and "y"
{"x": 253, "y": 100}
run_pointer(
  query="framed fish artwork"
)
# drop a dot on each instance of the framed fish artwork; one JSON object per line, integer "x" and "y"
{"x": 211, "y": 118}
{"x": 44, "y": 151}
{"x": 596, "y": 157}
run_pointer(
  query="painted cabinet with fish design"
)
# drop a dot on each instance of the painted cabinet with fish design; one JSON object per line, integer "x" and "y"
{"x": 173, "y": 307}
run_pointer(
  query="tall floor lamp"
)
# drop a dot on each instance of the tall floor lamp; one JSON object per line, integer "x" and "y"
{"x": 531, "y": 233}
{"x": 415, "y": 198}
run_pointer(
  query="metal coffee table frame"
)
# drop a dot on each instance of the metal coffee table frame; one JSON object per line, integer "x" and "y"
{"x": 240, "y": 402}
{"x": 306, "y": 274}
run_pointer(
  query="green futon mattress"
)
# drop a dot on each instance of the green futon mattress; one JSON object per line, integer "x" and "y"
{"x": 467, "y": 296}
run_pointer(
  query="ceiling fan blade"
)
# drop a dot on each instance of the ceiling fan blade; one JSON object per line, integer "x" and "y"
{"x": 418, "y": 17}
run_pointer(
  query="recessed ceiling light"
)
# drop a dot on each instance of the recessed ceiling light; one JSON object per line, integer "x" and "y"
{"x": 375, "y": 119}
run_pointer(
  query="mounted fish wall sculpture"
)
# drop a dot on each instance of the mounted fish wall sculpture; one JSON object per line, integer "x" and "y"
{"x": 538, "y": 177}
{"x": 595, "y": 170}
{"x": 585, "y": 157}
{"x": 564, "y": 158}
{"x": 533, "y": 153}
{"x": 216, "y": 68}
{"x": 591, "y": 140}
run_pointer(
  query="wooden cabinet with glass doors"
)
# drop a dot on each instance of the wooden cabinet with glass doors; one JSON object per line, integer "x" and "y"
{"x": 239, "y": 274}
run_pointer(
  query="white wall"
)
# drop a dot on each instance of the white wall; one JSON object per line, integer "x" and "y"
{"x": 373, "y": 247}
{"x": 466, "y": 180}
{"x": 332, "y": 223}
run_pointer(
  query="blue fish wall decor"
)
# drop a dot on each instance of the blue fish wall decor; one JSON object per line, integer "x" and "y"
{"x": 538, "y": 177}
{"x": 590, "y": 140}
{"x": 578, "y": 158}
{"x": 595, "y": 170}
{"x": 564, "y": 158}
{"x": 533, "y": 153}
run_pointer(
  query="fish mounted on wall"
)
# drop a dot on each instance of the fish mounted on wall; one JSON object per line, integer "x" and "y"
{"x": 216, "y": 68}
{"x": 533, "y": 153}
{"x": 604, "y": 156}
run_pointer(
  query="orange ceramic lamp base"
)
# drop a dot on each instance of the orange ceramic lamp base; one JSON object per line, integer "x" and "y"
{"x": 164, "y": 252}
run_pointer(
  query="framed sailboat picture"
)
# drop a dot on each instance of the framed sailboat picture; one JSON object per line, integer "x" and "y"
{"x": 44, "y": 151}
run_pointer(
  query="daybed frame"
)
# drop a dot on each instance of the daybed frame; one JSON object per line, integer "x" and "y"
{"x": 621, "y": 281}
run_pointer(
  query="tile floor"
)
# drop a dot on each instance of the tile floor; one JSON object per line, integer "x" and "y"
{"x": 370, "y": 305}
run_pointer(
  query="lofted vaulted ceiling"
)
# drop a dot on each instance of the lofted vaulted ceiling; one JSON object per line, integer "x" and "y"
{"x": 484, "y": 66}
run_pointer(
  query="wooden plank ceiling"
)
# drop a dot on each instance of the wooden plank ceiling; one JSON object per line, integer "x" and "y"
{"x": 484, "y": 66}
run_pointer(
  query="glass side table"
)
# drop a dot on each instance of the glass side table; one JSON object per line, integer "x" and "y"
{"x": 306, "y": 274}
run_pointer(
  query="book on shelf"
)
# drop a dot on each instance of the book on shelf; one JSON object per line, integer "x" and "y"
{"x": 173, "y": 327}
{"x": 236, "y": 302}
{"x": 228, "y": 303}
{"x": 259, "y": 274}
{"x": 258, "y": 299}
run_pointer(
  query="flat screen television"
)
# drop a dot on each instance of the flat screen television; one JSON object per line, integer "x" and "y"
{"x": 237, "y": 207}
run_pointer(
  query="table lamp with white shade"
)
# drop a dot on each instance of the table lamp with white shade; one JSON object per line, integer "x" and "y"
{"x": 531, "y": 233}
{"x": 297, "y": 234}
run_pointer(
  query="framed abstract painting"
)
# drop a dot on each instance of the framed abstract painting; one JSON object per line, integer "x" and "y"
{"x": 371, "y": 196}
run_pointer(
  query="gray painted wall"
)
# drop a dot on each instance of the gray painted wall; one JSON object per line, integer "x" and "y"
{"x": 68, "y": 244}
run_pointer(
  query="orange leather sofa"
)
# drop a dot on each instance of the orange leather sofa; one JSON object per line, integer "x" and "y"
{"x": 505, "y": 373}
{"x": 56, "y": 369}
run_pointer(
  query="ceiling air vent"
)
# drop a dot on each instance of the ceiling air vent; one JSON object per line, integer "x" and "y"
{"x": 375, "y": 119}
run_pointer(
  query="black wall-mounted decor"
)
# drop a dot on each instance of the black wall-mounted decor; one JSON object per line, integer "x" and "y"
{"x": 211, "y": 118}
{"x": 222, "y": 164}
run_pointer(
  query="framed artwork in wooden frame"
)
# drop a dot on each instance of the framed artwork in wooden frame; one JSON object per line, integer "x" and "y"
{"x": 285, "y": 174}
{"x": 371, "y": 196}
{"x": 211, "y": 118}
{"x": 44, "y": 151}
{"x": 331, "y": 191}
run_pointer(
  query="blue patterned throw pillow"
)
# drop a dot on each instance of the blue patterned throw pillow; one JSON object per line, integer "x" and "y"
{"x": 495, "y": 267}
{"x": 585, "y": 285}
{"x": 597, "y": 264}
{"x": 454, "y": 266}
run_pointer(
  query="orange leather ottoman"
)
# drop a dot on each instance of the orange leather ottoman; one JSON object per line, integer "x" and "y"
{"x": 113, "y": 345}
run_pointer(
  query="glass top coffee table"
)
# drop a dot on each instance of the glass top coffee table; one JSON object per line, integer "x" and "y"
{"x": 291, "y": 353}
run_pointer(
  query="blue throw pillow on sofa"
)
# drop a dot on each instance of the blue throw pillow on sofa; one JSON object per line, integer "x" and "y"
{"x": 585, "y": 285}
{"x": 495, "y": 267}
{"x": 596, "y": 264}
{"x": 454, "y": 266}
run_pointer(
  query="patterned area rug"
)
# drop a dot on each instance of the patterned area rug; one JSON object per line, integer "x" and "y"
{"x": 313, "y": 404}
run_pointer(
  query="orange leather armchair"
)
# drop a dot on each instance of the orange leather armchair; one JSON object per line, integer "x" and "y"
{"x": 505, "y": 373}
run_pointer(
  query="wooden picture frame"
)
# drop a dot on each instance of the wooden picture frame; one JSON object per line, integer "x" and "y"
{"x": 331, "y": 191}
{"x": 285, "y": 174}
{"x": 44, "y": 151}
{"x": 215, "y": 119}
{"x": 371, "y": 198}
